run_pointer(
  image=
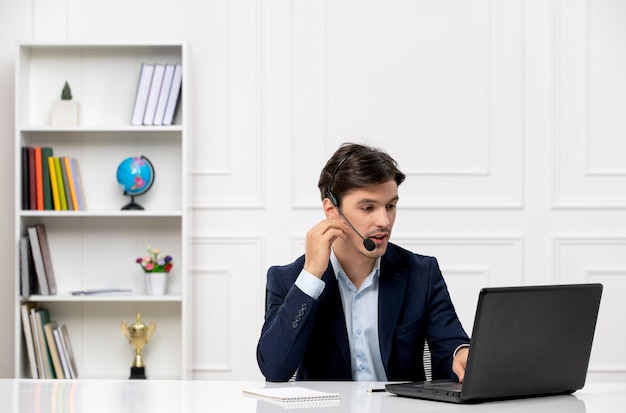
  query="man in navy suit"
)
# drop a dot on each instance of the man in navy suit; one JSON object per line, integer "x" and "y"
{"x": 355, "y": 306}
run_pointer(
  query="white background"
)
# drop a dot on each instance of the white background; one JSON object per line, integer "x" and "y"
{"x": 506, "y": 115}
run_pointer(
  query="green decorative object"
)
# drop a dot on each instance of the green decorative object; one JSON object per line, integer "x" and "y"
{"x": 66, "y": 93}
{"x": 65, "y": 112}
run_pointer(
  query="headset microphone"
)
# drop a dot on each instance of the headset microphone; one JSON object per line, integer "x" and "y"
{"x": 367, "y": 243}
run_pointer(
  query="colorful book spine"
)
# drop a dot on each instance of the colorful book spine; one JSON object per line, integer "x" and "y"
{"x": 46, "y": 153}
{"x": 52, "y": 347}
{"x": 60, "y": 184}
{"x": 71, "y": 183}
{"x": 66, "y": 185}
{"x": 78, "y": 184}
{"x": 32, "y": 179}
{"x": 43, "y": 317}
{"x": 56, "y": 201}
{"x": 38, "y": 178}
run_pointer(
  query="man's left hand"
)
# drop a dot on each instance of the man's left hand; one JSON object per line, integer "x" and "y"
{"x": 460, "y": 363}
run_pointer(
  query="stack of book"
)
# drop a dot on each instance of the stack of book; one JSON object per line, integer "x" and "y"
{"x": 36, "y": 271}
{"x": 158, "y": 92}
{"x": 50, "y": 354}
{"x": 50, "y": 183}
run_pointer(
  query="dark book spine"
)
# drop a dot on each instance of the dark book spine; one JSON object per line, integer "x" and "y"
{"x": 25, "y": 184}
{"x": 46, "y": 153}
{"x": 44, "y": 245}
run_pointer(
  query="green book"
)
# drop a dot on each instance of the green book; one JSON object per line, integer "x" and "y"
{"x": 42, "y": 318}
{"x": 46, "y": 152}
{"x": 60, "y": 185}
{"x": 66, "y": 184}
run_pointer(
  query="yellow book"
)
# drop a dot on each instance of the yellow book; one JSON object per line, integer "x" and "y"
{"x": 70, "y": 181}
{"x": 53, "y": 184}
{"x": 60, "y": 186}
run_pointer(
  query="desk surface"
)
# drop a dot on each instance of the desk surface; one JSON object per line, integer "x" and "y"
{"x": 100, "y": 396}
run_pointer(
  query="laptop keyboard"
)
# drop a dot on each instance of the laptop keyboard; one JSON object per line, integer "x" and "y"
{"x": 451, "y": 386}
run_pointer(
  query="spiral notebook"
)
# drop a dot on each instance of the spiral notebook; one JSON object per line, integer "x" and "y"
{"x": 294, "y": 396}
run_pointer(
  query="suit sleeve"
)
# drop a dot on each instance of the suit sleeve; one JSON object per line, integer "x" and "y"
{"x": 287, "y": 328}
{"x": 445, "y": 332}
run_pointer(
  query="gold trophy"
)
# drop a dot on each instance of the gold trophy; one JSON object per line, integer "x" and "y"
{"x": 138, "y": 335}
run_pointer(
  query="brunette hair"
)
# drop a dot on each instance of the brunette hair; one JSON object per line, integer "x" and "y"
{"x": 355, "y": 166}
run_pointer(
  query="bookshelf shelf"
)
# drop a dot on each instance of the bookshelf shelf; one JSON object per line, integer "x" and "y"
{"x": 112, "y": 128}
{"x": 97, "y": 247}
{"x": 101, "y": 214}
{"x": 68, "y": 298}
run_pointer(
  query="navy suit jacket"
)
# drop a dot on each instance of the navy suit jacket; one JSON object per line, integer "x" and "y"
{"x": 310, "y": 336}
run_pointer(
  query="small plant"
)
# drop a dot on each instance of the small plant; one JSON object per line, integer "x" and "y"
{"x": 155, "y": 261}
{"x": 66, "y": 93}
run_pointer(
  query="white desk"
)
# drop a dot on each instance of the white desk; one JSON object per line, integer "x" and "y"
{"x": 150, "y": 396}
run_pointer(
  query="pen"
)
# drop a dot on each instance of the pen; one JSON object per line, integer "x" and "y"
{"x": 375, "y": 390}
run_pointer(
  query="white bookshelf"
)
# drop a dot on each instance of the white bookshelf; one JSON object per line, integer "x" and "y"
{"x": 97, "y": 247}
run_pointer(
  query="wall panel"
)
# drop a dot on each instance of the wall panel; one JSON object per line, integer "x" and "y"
{"x": 374, "y": 75}
{"x": 590, "y": 62}
{"x": 598, "y": 258}
{"x": 227, "y": 305}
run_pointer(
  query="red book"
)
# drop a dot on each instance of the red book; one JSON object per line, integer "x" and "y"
{"x": 39, "y": 177}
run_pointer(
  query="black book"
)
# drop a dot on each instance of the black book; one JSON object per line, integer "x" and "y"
{"x": 25, "y": 180}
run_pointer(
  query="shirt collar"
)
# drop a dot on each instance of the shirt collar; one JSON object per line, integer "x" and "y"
{"x": 339, "y": 270}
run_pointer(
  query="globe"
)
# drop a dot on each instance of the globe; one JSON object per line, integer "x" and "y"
{"x": 136, "y": 176}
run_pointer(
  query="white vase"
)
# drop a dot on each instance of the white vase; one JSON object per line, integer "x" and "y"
{"x": 156, "y": 283}
{"x": 65, "y": 113}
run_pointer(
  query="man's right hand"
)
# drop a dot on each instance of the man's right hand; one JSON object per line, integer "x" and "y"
{"x": 318, "y": 242}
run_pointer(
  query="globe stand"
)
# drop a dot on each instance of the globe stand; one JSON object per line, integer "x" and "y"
{"x": 132, "y": 205}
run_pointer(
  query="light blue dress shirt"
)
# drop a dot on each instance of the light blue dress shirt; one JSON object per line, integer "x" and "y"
{"x": 360, "y": 308}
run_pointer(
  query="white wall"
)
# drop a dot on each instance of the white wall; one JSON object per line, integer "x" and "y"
{"x": 507, "y": 116}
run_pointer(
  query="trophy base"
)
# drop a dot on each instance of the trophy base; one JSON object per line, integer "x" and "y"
{"x": 137, "y": 373}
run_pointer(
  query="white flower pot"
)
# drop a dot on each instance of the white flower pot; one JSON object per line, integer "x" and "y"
{"x": 65, "y": 113}
{"x": 156, "y": 283}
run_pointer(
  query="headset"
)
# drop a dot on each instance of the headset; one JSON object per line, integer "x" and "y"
{"x": 367, "y": 243}
{"x": 329, "y": 193}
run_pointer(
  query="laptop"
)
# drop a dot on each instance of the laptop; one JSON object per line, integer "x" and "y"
{"x": 526, "y": 342}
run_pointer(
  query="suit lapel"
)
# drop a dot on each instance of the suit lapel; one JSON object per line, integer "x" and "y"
{"x": 391, "y": 296}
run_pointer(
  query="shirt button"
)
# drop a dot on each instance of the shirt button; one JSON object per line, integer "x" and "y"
{"x": 358, "y": 332}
